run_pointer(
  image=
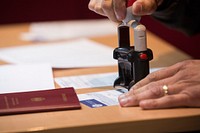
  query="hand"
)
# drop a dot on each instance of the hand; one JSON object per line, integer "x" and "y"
{"x": 182, "y": 79}
{"x": 115, "y": 10}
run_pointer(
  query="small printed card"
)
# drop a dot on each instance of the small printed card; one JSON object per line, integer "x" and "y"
{"x": 102, "y": 98}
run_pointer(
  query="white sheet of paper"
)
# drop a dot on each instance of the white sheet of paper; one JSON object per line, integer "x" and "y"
{"x": 90, "y": 80}
{"x": 60, "y": 30}
{"x": 102, "y": 98}
{"x": 68, "y": 54}
{"x": 27, "y": 77}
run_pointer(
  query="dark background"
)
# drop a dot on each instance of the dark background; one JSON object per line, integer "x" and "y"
{"x": 20, "y": 11}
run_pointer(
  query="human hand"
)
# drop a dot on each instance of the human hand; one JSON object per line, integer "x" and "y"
{"x": 115, "y": 10}
{"x": 182, "y": 79}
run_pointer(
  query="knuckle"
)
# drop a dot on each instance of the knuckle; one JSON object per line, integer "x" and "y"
{"x": 97, "y": 8}
{"x": 152, "y": 77}
{"x": 150, "y": 6}
{"x": 155, "y": 90}
{"x": 184, "y": 76}
{"x": 132, "y": 91}
{"x": 137, "y": 85}
{"x": 190, "y": 98}
{"x": 91, "y": 6}
{"x": 185, "y": 63}
{"x": 106, "y": 5}
{"x": 184, "y": 72}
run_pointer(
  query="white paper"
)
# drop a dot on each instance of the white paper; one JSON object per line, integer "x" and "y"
{"x": 90, "y": 80}
{"x": 27, "y": 77}
{"x": 67, "y": 54}
{"x": 102, "y": 98}
{"x": 51, "y": 31}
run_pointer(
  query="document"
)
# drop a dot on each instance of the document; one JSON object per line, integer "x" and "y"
{"x": 90, "y": 80}
{"x": 102, "y": 98}
{"x": 61, "y": 30}
{"x": 87, "y": 81}
{"x": 26, "y": 77}
{"x": 68, "y": 54}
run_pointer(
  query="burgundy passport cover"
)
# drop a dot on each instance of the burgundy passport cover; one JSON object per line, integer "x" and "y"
{"x": 39, "y": 101}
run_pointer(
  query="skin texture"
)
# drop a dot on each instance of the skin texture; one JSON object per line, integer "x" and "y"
{"x": 115, "y": 10}
{"x": 182, "y": 79}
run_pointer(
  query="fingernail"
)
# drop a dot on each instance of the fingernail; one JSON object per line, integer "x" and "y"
{"x": 123, "y": 101}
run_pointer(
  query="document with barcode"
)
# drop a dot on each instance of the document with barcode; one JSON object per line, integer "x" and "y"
{"x": 102, "y": 98}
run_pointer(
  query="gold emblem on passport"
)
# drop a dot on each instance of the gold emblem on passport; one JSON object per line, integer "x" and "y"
{"x": 37, "y": 99}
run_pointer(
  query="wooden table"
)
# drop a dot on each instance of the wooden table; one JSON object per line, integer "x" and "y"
{"x": 106, "y": 119}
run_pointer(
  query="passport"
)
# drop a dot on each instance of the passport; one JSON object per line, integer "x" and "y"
{"x": 39, "y": 101}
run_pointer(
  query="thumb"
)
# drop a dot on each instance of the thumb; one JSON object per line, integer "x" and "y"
{"x": 145, "y": 7}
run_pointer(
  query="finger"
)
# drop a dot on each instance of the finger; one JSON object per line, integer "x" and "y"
{"x": 92, "y": 4}
{"x": 170, "y": 101}
{"x": 158, "y": 75}
{"x": 120, "y": 9}
{"x": 144, "y": 7}
{"x": 132, "y": 98}
{"x": 172, "y": 83}
{"x": 95, "y": 5}
{"x": 150, "y": 91}
{"x": 107, "y": 7}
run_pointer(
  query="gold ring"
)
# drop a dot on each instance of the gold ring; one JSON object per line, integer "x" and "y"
{"x": 165, "y": 88}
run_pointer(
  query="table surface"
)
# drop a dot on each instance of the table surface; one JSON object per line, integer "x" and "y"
{"x": 105, "y": 119}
